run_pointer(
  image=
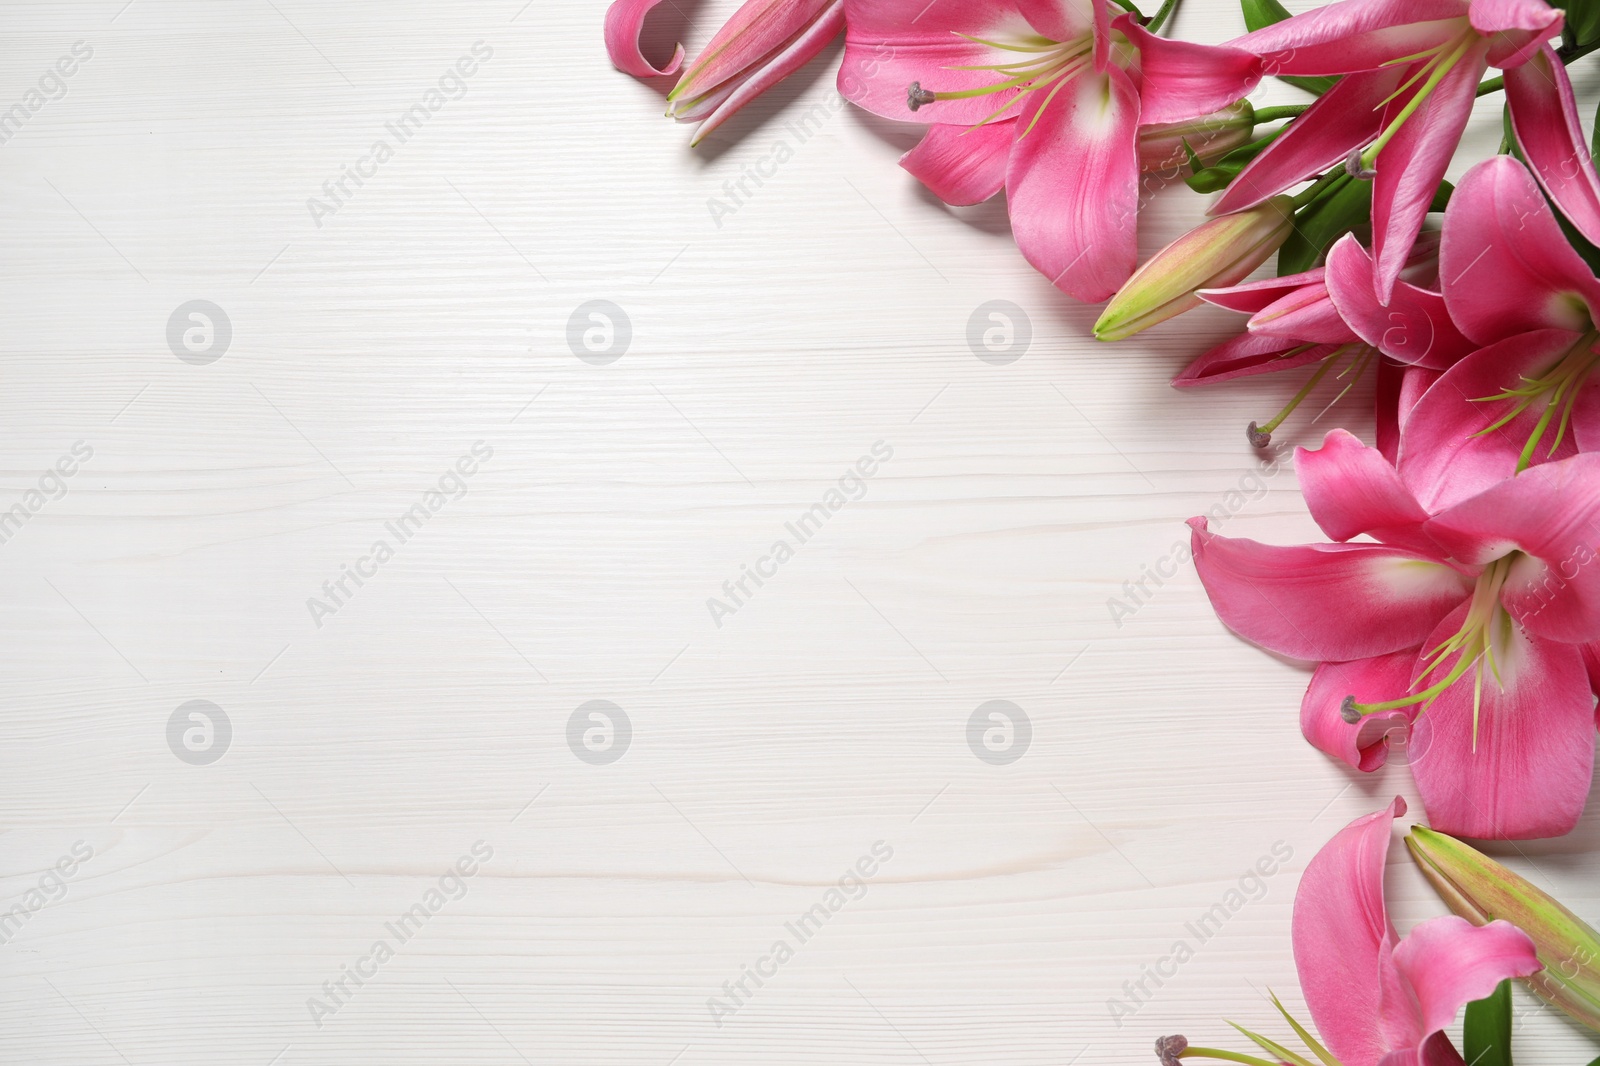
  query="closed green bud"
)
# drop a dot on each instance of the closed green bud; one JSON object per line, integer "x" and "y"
{"x": 1481, "y": 890}
{"x": 1217, "y": 253}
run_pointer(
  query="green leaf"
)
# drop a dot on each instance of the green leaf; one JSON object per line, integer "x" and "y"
{"x": 1441, "y": 196}
{"x": 1488, "y": 1029}
{"x": 1259, "y": 14}
{"x": 1346, "y": 204}
{"x": 1594, "y": 141}
{"x": 1582, "y": 22}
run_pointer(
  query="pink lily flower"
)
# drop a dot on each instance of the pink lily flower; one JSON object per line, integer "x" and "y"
{"x": 1412, "y": 71}
{"x": 764, "y": 42}
{"x": 1530, "y": 306}
{"x": 1472, "y": 629}
{"x": 1044, "y": 98}
{"x": 1295, "y": 321}
{"x": 1377, "y": 998}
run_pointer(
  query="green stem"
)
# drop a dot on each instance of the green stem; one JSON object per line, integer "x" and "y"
{"x": 1320, "y": 186}
{"x": 1493, "y": 85}
{"x": 1273, "y": 114}
{"x": 1161, "y": 16}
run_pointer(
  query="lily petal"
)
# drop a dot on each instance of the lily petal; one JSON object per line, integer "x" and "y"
{"x": 1414, "y": 327}
{"x": 1519, "y": 767}
{"x": 624, "y": 22}
{"x": 1182, "y": 80}
{"x": 1343, "y": 937}
{"x": 1552, "y": 514}
{"x": 1253, "y": 296}
{"x": 1413, "y": 163}
{"x": 962, "y": 165}
{"x": 1073, "y": 183}
{"x": 785, "y": 61}
{"x": 1342, "y": 119}
{"x": 1449, "y": 962}
{"x": 1516, "y": 28}
{"x": 889, "y": 44}
{"x": 1308, "y": 315}
{"x": 1544, "y": 114}
{"x": 1351, "y": 489}
{"x": 1324, "y": 602}
{"x": 1355, "y": 35}
{"x": 1504, "y": 263}
{"x": 1247, "y": 355}
{"x": 1374, "y": 680}
{"x": 1447, "y": 453}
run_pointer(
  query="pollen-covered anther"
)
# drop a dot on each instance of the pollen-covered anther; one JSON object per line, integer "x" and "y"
{"x": 1349, "y": 711}
{"x": 1355, "y": 165}
{"x": 1258, "y": 437}
{"x": 916, "y": 96}
{"x": 1169, "y": 1048}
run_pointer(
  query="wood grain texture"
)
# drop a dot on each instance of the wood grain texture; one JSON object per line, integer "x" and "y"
{"x": 771, "y": 348}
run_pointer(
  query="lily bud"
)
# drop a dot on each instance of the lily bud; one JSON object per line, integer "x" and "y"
{"x": 1217, "y": 253}
{"x": 1210, "y": 137}
{"x": 764, "y": 42}
{"x": 1481, "y": 890}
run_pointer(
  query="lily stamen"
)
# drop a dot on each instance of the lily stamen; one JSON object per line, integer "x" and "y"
{"x": 1050, "y": 64}
{"x": 1558, "y": 388}
{"x": 1440, "y": 61}
{"x": 1472, "y": 647}
{"x": 1261, "y": 435}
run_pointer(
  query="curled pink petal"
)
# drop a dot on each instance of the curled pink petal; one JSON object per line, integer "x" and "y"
{"x": 1415, "y": 326}
{"x": 1449, "y": 962}
{"x": 624, "y": 22}
{"x": 963, "y": 165}
{"x": 1343, "y": 938}
{"x": 1362, "y": 745}
{"x": 1181, "y": 80}
{"x": 1351, "y": 489}
{"x": 1515, "y": 28}
{"x": 1505, "y": 266}
{"x": 1322, "y": 602}
{"x": 1306, "y": 315}
{"x": 1354, "y": 35}
{"x": 1544, "y": 114}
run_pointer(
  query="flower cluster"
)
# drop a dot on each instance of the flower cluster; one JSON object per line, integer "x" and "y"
{"x": 1457, "y": 602}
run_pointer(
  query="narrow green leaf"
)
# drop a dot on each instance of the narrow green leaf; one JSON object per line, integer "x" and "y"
{"x": 1346, "y": 205}
{"x": 1441, "y": 196}
{"x": 1594, "y": 141}
{"x": 1583, "y": 22}
{"x": 1272, "y": 1047}
{"x": 1488, "y": 1029}
{"x": 1259, "y": 14}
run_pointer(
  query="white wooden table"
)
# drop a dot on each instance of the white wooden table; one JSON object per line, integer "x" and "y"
{"x": 350, "y": 753}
